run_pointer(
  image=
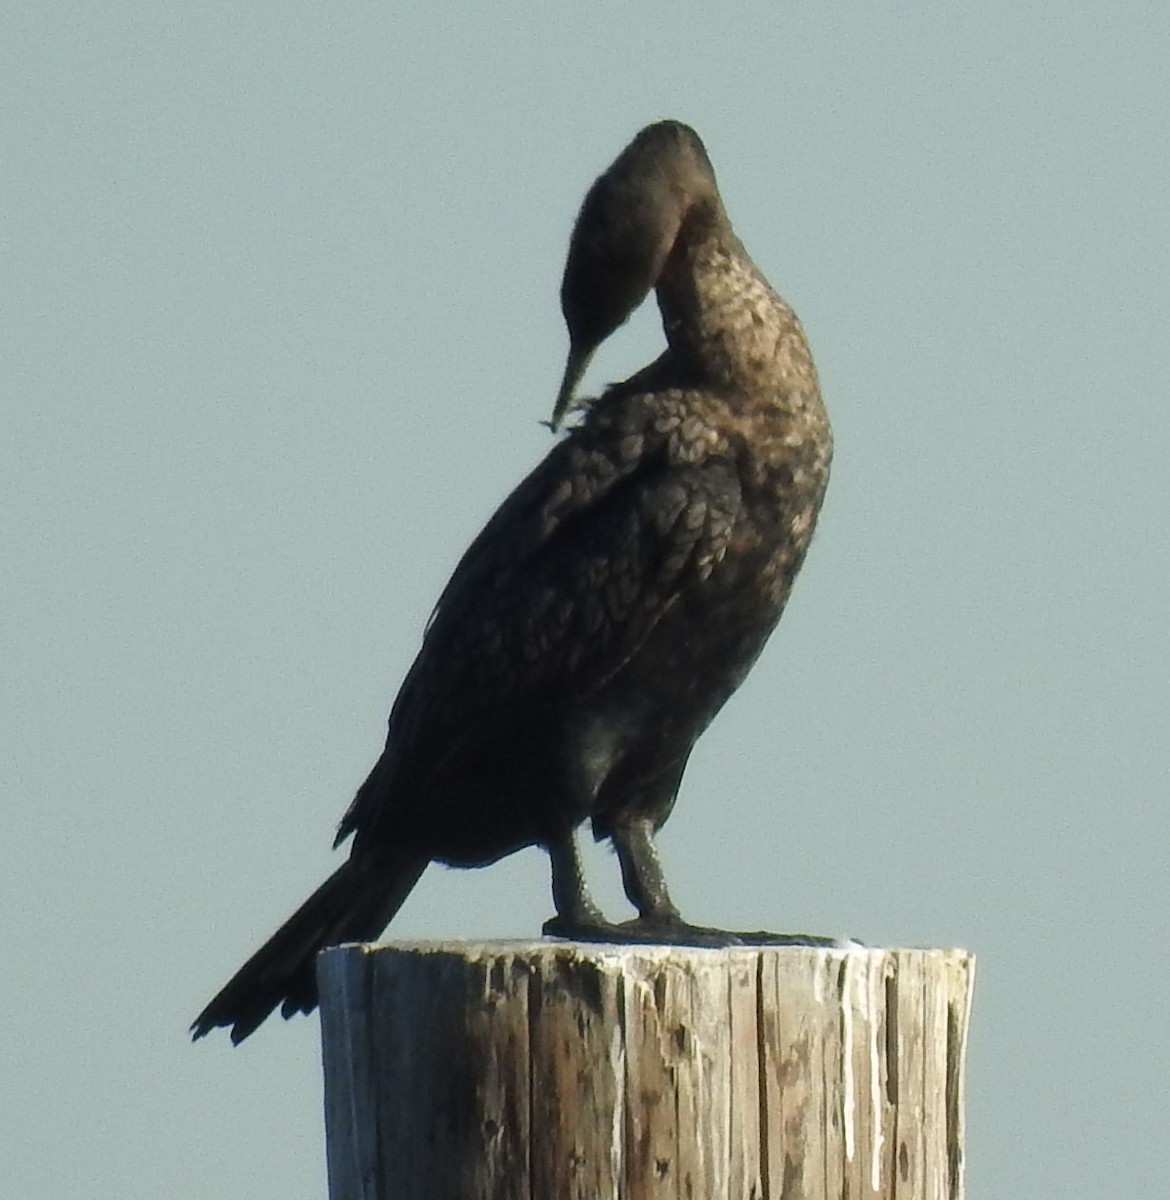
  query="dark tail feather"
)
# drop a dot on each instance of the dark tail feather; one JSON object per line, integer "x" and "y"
{"x": 353, "y": 905}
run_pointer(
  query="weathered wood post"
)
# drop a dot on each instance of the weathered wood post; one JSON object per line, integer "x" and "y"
{"x": 552, "y": 1071}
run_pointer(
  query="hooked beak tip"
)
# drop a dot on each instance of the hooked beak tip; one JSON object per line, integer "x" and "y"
{"x": 574, "y": 368}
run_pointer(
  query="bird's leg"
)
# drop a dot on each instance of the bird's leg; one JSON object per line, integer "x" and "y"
{"x": 642, "y": 875}
{"x": 577, "y": 915}
{"x": 658, "y": 919}
{"x": 580, "y": 919}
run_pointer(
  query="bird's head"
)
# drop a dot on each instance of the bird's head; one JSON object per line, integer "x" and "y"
{"x": 624, "y": 233}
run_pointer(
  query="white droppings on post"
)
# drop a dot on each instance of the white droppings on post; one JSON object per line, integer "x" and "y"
{"x": 876, "y": 973}
{"x": 617, "y": 1064}
{"x": 699, "y": 1069}
{"x": 847, "y": 988}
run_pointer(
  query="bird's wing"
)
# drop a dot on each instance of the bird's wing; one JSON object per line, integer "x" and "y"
{"x": 561, "y": 587}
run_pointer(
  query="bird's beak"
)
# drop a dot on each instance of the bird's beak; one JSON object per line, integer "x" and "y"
{"x": 579, "y": 357}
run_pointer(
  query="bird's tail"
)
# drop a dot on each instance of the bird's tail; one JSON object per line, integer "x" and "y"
{"x": 353, "y": 905}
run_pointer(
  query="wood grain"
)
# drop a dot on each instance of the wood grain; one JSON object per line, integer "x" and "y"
{"x": 565, "y": 1071}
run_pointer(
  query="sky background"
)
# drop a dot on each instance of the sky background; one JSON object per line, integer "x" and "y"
{"x": 279, "y": 323}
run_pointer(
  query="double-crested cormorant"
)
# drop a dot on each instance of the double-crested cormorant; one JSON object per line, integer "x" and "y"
{"x": 613, "y": 603}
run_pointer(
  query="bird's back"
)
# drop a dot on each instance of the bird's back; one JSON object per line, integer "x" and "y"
{"x": 600, "y": 620}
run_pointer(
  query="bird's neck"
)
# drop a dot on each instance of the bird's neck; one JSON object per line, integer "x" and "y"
{"x": 724, "y": 324}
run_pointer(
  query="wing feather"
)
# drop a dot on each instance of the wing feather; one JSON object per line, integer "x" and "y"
{"x": 557, "y": 592}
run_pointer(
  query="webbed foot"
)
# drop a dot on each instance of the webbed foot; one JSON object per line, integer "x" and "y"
{"x": 639, "y": 932}
{"x": 644, "y": 931}
{"x": 763, "y": 937}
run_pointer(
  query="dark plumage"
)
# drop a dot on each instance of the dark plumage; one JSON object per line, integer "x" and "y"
{"x": 610, "y": 606}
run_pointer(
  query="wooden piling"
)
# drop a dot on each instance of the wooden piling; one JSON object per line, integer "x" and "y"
{"x": 553, "y": 1071}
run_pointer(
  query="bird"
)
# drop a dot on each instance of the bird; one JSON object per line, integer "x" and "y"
{"x": 611, "y": 605}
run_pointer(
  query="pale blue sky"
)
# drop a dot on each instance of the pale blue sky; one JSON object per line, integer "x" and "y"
{"x": 278, "y": 326}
